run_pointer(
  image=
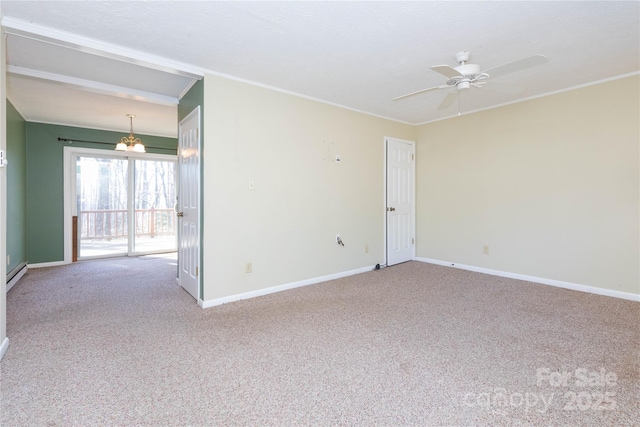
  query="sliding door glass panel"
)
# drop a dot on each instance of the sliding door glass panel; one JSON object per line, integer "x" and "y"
{"x": 154, "y": 199}
{"x": 101, "y": 194}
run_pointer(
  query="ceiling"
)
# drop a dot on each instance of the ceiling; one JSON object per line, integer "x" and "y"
{"x": 90, "y": 63}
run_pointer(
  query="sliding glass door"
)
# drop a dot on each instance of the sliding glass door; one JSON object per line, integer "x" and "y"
{"x": 154, "y": 198}
{"x": 124, "y": 205}
{"x": 102, "y": 200}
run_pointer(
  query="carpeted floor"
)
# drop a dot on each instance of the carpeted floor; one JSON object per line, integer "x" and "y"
{"x": 117, "y": 342}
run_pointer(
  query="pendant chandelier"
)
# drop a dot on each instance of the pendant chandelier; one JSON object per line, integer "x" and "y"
{"x": 130, "y": 143}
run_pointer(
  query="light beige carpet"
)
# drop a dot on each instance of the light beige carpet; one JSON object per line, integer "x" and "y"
{"x": 116, "y": 342}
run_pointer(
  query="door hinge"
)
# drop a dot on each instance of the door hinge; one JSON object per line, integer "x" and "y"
{"x": 3, "y": 159}
{"x": 413, "y": 242}
{"x": 411, "y": 156}
{"x": 196, "y": 271}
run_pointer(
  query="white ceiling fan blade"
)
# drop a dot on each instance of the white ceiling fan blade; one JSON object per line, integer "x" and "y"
{"x": 422, "y": 91}
{"x": 448, "y": 100}
{"x": 508, "y": 88}
{"x": 446, "y": 71}
{"x": 520, "y": 64}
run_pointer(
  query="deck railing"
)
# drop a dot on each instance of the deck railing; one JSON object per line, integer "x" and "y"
{"x": 112, "y": 224}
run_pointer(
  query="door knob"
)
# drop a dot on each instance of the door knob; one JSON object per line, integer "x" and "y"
{"x": 180, "y": 213}
{"x": 391, "y": 209}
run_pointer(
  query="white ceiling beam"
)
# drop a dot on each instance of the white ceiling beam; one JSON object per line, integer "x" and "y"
{"x": 32, "y": 31}
{"x": 93, "y": 86}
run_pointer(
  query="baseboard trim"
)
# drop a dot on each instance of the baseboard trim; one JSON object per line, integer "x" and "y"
{"x": 48, "y": 264}
{"x": 541, "y": 280}
{"x": 21, "y": 272}
{"x": 4, "y": 347}
{"x": 280, "y": 288}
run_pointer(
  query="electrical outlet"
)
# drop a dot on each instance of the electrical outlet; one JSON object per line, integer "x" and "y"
{"x": 366, "y": 248}
{"x": 248, "y": 268}
{"x": 485, "y": 249}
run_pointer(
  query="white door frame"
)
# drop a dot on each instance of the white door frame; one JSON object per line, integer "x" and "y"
{"x": 69, "y": 184}
{"x": 384, "y": 197}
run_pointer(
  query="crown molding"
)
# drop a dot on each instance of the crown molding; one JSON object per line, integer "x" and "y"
{"x": 530, "y": 98}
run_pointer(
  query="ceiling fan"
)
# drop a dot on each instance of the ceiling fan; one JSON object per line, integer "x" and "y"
{"x": 466, "y": 76}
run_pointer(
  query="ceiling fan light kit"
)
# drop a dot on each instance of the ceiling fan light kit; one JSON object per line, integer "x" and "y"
{"x": 466, "y": 76}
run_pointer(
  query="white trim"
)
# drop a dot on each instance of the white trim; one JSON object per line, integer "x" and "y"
{"x": 17, "y": 277}
{"x": 95, "y": 87}
{"x": 20, "y": 28}
{"x": 384, "y": 201}
{"x": 68, "y": 207}
{"x": 48, "y": 264}
{"x": 3, "y": 193}
{"x": 322, "y": 101}
{"x": 4, "y": 347}
{"x": 187, "y": 89}
{"x": 541, "y": 280}
{"x": 280, "y": 288}
{"x": 597, "y": 82}
{"x": 299, "y": 95}
{"x": 131, "y": 214}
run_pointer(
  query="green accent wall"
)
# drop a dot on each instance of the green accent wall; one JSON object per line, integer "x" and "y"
{"x": 16, "y": 190}
{"x": 45, "y": 198}
{"x": 193, "y": 98}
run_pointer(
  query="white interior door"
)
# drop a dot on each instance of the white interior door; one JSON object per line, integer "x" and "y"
{"x": 400, "y": 201}
{"x": 189, "y": 203}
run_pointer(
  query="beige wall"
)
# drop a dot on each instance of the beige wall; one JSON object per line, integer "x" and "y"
{"x": 551, "y": 185}
{"x": 286, "y": 227}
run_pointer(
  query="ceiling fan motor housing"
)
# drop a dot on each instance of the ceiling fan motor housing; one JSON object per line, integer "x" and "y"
{"x": 470, "y": 72}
